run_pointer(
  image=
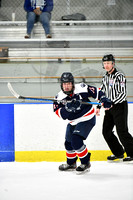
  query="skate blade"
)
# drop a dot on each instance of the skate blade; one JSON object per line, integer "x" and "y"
{"x": 82, "y": 172}
{"x": 68, "y": 170}
{"x": 128, "y": 162}
{"x": 115, "y": 161}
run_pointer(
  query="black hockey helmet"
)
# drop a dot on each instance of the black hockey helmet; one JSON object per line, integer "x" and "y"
{"x": 108, "y": 57}
{"x": 65, "y": 78}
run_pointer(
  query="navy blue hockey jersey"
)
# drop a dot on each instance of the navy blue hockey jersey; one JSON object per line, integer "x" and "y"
{"x": 81, "y": 92}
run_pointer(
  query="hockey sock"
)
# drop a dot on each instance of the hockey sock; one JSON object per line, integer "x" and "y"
{"x": 70, "y": 153}
{"x": 83, "y": 154}
{"x": 80, "y": 148}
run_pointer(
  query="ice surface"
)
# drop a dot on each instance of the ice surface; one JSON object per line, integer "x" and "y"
{"x": 43, "y": 181}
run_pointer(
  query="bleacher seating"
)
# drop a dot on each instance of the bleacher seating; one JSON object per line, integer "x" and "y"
{"x": 70, "y": 39}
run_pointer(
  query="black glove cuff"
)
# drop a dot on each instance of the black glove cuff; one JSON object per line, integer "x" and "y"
{"x": 99, "y": 107}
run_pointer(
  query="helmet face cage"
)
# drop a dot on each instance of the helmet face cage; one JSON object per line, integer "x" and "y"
{"x": 108, "y": 57}
{"x": 65, "y": 78}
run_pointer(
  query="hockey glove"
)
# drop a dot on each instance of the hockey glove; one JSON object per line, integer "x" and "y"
{"x": 106, "y": 102}
{"x": 73, "y": 105}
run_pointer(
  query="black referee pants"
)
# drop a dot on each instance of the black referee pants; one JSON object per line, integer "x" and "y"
{"x": 117, "y": 116}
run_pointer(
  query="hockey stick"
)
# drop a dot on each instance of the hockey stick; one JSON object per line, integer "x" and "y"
{"x": 14, "y": 93}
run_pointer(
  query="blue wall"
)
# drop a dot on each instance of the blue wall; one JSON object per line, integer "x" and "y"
{"x": 7, "y": 133}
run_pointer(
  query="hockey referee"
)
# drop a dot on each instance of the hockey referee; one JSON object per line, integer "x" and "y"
{"x": 114, "y": 87}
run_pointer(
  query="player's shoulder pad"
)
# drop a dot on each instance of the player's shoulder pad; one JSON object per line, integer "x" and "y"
{"x": 80, "y": 88}
{"x": 61, "y": 95}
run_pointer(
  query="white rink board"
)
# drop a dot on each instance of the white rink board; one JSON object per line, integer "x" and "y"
{"x": 37, "y": 128}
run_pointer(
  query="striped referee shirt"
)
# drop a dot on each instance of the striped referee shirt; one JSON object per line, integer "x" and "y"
{"x": 114, "y": 86}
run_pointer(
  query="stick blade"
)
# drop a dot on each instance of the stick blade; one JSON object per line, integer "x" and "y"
{"x": 12, "y": 90}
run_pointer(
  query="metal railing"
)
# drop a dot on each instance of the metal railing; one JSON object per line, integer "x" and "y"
{"x": 56, "y": 78}
{"x": 92, "y": 9}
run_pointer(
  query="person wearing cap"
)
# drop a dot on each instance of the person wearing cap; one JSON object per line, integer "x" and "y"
{"x": 114, "y": 87}
{"x": 73, "y": 105}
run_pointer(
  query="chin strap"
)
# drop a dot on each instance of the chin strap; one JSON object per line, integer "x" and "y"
{"x": 111, "y": 70}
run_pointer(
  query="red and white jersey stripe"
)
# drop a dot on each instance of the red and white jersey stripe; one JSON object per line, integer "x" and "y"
{"x": 89, "y": 115}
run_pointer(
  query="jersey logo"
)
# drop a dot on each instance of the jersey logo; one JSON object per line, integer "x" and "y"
{"x": 92, "y": 89}
{"x": 122, "y": 84}
{"x": 55, "y": 106}
{"x": 111, "y": 82}
{"x": 82, "y": 85}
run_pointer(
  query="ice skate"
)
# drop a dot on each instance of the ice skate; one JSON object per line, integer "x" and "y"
{"x": 128, "y": 159}
{"x": 114, "y": 158}
{"x": 67, "y": 167}
{"x": 83, "y": 168}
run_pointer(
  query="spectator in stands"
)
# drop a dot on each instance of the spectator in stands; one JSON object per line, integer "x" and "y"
{"x": 38, "y": 10}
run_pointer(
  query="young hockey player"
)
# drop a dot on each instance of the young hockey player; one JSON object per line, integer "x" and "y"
{"x": 81, "y": 119}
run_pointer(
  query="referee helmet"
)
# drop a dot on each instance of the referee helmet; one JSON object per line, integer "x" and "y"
{"x": 108, "y": 57}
